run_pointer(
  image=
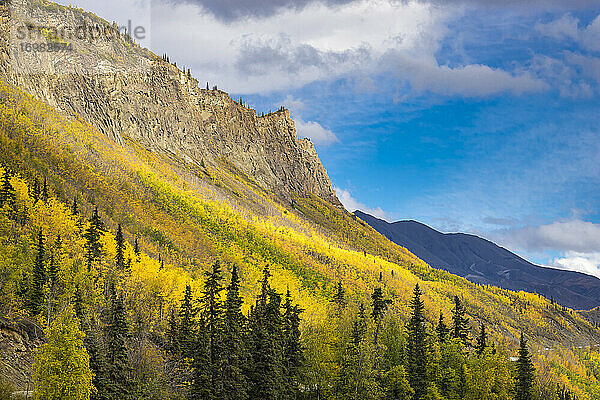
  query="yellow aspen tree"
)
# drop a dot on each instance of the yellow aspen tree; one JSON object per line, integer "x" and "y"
{"x": 62, "y": 367}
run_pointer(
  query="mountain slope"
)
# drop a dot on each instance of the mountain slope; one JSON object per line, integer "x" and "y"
{"x": 188, "y": 201}
{"x": 483, "y": 262}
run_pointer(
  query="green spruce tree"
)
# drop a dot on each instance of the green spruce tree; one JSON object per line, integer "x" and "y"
{"x": 266, "y": 375}
{"x": 380, "y": 305}
{"x": 45, "y": 191}
{"x": 7, "y": 192}
{"x": 187, "y": 324}
{"x": 39, "y": 277}
{"x": 442, "y": 329}
{"x": 235, "y": 353}
{"x": 417, "y": 347}
{"x": 481, "y": 340}
{"x": 525, "y": 378}
{"x": 339, "y": 298}
{"x": 293, "y": 357}
{"x": 120, "y": 243}
{"x": 93, "y": 246}
{"x": 460, "y": 323}
{"x": 118, "y": 385}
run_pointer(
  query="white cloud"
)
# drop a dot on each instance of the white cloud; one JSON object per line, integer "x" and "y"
{"x": 318, "y": 41}
{"x": 563, "y": 236}
{"x": 315, "y": 132}
{"x": 588, "y": 263}
{"x": 567, "y": 27}
{"x": 308, "y": 129}
{"x": 351, "y": 204}
{"x": 473, "y": 80}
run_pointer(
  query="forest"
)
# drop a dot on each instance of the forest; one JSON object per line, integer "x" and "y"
{"x": 88, "y": 289}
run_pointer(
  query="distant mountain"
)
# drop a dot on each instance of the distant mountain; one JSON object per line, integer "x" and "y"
{"x": 482, "y": 261}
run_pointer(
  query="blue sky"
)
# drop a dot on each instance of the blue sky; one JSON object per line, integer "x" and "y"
{"x": 471, "y": 116}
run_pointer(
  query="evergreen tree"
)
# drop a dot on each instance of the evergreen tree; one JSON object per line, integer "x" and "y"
{"x": 442, "y": 329}
{"x": 235, "y": 353}
{"x": 35, "y": 190}
{"x": 93, "y": 247}
{"x": 187, "y": 324}
{"x": 116, "y": 333}
{"x": 481, "y": 340}
{"x": 62, "y": 370}
{"x": 339, "y": 297}
{"x": 460, "y": 327}
{"x": 45, "y": 191}
{"x": 7, "y": 192}
{"x": 417, "y": 347}
{"x": 97, "y": 363}
{"x": 379, "y": 304}
{"x": 136, "y": 249}
{"x": 120, "y": 242}
{"x": 292, "y": 357}
{"x": 39, "y": 277}
{"x": 525, "y": 379}
{"x": 265, "y": 376}
{"x": 357, "y": 377}
{"x": 212, "y": 318}
{"x": 75, "y": 207}
{"x": 172, "y": 336}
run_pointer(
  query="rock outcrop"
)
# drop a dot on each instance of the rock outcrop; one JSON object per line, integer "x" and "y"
{"x": 164, "y": 109}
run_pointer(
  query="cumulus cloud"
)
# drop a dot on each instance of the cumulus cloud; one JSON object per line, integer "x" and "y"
{"x": 474, "y": 80}
{"x": 351, "y": 204}
{"x": 588, "y": 263}
{"x": 564, "y": 236}
{"x": 315, "y": 132}
{"x": 232, "y": 10}
{"x": 568, "y": 27}
{"x": 308, "y": 129}
{"x": 308, "y": 41}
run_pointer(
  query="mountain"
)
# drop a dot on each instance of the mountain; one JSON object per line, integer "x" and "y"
{"x": 191, "y": 177}
{"x": 483, "y": 262}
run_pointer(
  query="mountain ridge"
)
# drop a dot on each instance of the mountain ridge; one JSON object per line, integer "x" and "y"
{"x": 482, "y": 261}
{"x": 160, "y": 106}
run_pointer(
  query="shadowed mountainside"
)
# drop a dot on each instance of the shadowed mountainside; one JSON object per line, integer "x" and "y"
{"x": 482, "y": 261}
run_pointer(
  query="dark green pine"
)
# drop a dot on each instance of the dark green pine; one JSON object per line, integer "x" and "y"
{"x": 481, "y": 340}
{"x": 93, "y": 247}
{"x": 39, "y": 276}
{"x": 235, "y": 353}
{"x": 7, "y": 192}
{"x": 35, "y": 190}
{"x": 266, "y": 378}
{"x": 442, "y": 329}
{"x": 417, "y": 347}
{"x": 116, "y": 335}
{"x": 293, "y": 356}
{"x": 187, "y": 324}
{"x": 45, "y": 191}
{"x": 212, "y": 315}
{"x": 120, "y": 243}
{"x": 525, "y": 378}
{"x": 460, "y": 323}
{"x": 339, "y": 297}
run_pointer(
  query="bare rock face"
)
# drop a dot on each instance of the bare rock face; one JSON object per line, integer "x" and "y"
{"x": 165, "y": 110}
{"x": 18, "y": 342}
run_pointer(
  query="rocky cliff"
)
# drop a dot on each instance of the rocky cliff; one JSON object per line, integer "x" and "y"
{"x": 130, "y": 93}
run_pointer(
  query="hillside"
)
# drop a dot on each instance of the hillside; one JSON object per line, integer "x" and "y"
{"x": 193, "y": 177}
{"x": 483, "y": 262}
